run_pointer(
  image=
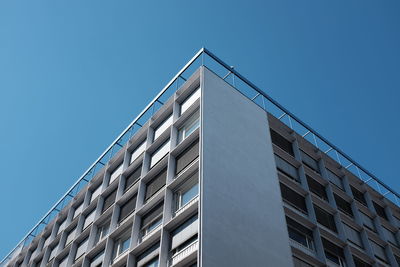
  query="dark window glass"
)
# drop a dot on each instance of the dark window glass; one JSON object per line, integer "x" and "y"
{"x": 109, "y": 200}
{"x": 300, "y": 233}
{"x": 380, "y": 211}
{"x": 333, "y": 252}
{"x": 300, "y": 263}
{"x": 133, "y": 177}
{"x": 324, "y": 218}
{"x": 186, "y": 157}
{"x": 334, "y": 179}
{"x": 317, "y": 188}
{"x": 343, "y": 205}
{"x": 287, "y": 168}
{"x": 367, "y": 221}
{"x": 358, "y": 195}
{"x": 156, "y": 184}
{"x": 310, "y": 162}
{"x": 151, "y": 215}
{"x": 281, "y": 142}
{"x": 360, "y": 263}
{"x": 127, "y": 208}
{"x": 293, "y": 198}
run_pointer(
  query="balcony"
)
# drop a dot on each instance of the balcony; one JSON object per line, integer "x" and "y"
{"x": 185, "y": 255}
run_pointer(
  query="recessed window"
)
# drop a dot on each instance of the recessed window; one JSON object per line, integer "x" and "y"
{"x": 282, "y": 142}
{"x": 95, "y": 193}
{"x": 190, "y": 100}
{"x": 310, "y": 161}
{"x": 293, "y": 198}
{"x": 47, "y": 241}
{"x": 122, "y": 244}
{"x": 151, "y": 220}
{"x": 390, "y": 236}
{"x": 380, "y": 211}
{"x": 189, "y": 127}
{"x": 333, "y": 253}
{"x": 379, "y": 251}
{"x": 367, "y": 221}
{"x": 188, "y": 156}
{"x": 127, "y": 208}
{"x": 152, "y": 263}
{"x": 102, "y": 232}
{"x": 317, "y": 188}
{"x": 162, "y": 127}
{"x": 63, "y": 262}
{"x": 82, "y": 247}
{"x": 109, "y": 200}
{"x": 89, "y": 218}
{"x": 300, "y": 263}
{"x": 300, "y": 234}
{"x": 155, "y": 184}
{"x": 184, "y": 236}
{"x": 97, "y": 260}
{"x": 187, "y": 192}
{"x": 138, "y": 151}
{"x": 358, "y": 195}
{"x": 353, "y": 235}
{"x": 286, "y": 168}
{"x": 53, "y": 253}
{"x": 78, "y": 210}
{"x": 360, "y": 263}
{"x": 133, "y": 178}
{"x": 62, "y": 226}
{"x": 343, "y": 205}
{"x": 324, "y": 218}
{"x": 334, "y": 179}
{"x": 115, "y": 173}
{"x": 70, "y": 236}
{"x": 160, "y": 153}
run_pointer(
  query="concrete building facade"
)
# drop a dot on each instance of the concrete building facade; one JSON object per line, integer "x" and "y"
{"x": 212, "y": 178}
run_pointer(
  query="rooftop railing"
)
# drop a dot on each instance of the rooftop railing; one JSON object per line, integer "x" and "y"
{"x": 205, "y": 58}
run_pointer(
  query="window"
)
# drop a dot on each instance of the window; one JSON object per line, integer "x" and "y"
{"x": 102, "y": 232}
{"x": 281, "y": 142}
{"x": 121, "y": 245}
{"x": 390, "y": 236}
{"x": 95, "y": 193}
{"x": 379, "y": 251}
{"x": 333, "y": 252}
{"x": 63, "y": 262}
{"x": 138, "y": 151}
{"x": 53, "y": 253}
{"x": 343, "y": 205}
{"x": 300, "y": 234}
{"x": 310, "y": 162}
{"x": 189, "y": 155}
{"x": 97, "y": 260}
{"x": 353, "y": 235}
{"x": 183, "y": 233}
{"x": 47, "y": 241}
{"x": 190, "y": 100}
{"x": 325, "y": 218}
{"x": 160, "y": 153}
{"x": 62, "y": 226}
{"x": 367, "y": 221}
{"x": 162, "y": 127}
{"x": 184, "y": 245}
{"x": 287, "y": 168}
{"x": 293, "y": 198}
{"x": 151, "y": 220}
{"x": 358, "y": 195}
{"x": 81, "y": 249}
{"x": 89, "y": 219}
{"x": 70, "y": 236}
{"x": 127, "y": 208}
{"x": 334, "y": 179}
{"x": 109, "y": 200}
{"x": 380, "y": 211}
{"x": 152, "y": 263}
{"x": 360, "y": 263}
{"x": 78, "y": 210}
{"x": 187, "y": 192}
{"x": 148, "y": 257}
{"x": 189, "y": 127}
{"x": 133, "y": 178}
{"x": 156, "y": 184}
{"x": 115, "y": 173}
{"x": 317, "y": 188}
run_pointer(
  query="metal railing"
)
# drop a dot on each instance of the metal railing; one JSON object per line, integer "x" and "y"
{"x": 205, "y": 58}
{"x": 183, "y": 253}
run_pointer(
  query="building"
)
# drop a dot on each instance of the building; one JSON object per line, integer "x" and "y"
{"x": 215, "y": 173}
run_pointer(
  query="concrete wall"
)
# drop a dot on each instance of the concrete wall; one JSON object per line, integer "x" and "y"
{"x": 242, "y": 220}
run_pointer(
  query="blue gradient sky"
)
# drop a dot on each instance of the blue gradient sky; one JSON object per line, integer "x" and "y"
{"x": 73, "y": 74}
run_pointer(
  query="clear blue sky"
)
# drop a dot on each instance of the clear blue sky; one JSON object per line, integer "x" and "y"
{"x": 73, "y": 74}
